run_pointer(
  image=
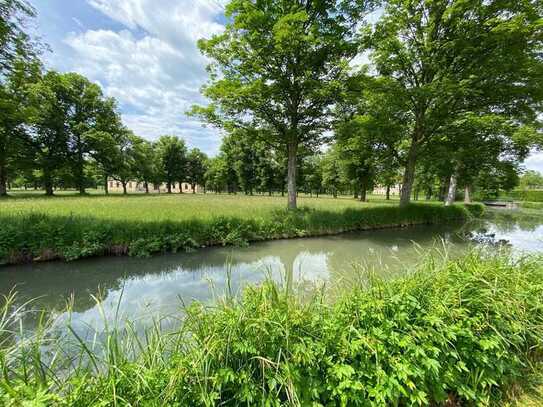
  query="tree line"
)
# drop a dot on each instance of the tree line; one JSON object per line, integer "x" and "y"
{"x": 451, "y": 91}
{"x": 449, "y": 99}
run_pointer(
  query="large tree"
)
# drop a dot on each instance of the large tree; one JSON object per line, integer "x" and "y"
{"x": 449, "y": 57}
{"x": 50, "y": 137}
{"x": 171, "y": 154}
{"x": 197, "y": 163}
{"x": 278, "y": 67}
{"x": 87, "y": 110}
{"x": 18, "y": 67}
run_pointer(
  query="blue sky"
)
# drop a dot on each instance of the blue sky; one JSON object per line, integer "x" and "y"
{"x": 143, "y": 53}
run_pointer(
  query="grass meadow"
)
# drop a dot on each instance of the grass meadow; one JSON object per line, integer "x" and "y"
{"x": 167, "y": 207}
{"x": 73, "y": 227}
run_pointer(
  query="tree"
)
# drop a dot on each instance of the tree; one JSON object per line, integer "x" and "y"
{"x": 278, "y": 68}
{"x": 196, "y": 168}
{"x": 86, "y": 110}
{"x": 450, "y": 57}
{"x": 144, "y": 162}
{"x": 332, "y": 176}
{"x": 473, "y": 142}
{"x": 18, "y": 67}
{"x": 47, "y": 116}
{"x": 15, "y": 42}
{"x": 171, "y": 154}
{"x": 15, "y": 151}
{"x": 531, "y": 180}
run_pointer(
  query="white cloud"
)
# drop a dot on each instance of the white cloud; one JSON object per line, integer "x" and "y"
{"x": 535, "y": 162}
{"x": 152, "y": 66}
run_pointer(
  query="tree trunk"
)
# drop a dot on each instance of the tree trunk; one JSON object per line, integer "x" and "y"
{"x": 193, "y": 188}
{"x": 363, "y": 194}
{"x": 48, "y": 184}
{"x": 3, "y": 182}
{"x": 80, "y": 166}
{"x": 106, "y": 186}
{"x": 388, "y": 193}
{"x": 146, "y": 185}
{"x": 443, "y": 189}
{"x": 452, "y": 191}
{"x": 467, "y": 194}
{"x": 291, "y": 174}
{"x": 409, "y": 175}
{"x": 125, "y": 192}
{"x": 429, "y": 193}
{"x": 169, "y": 187}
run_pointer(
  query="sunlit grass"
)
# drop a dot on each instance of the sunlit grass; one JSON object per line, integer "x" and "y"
{"x": 173, "y": 207}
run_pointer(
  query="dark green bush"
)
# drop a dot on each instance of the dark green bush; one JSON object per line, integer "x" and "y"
{"x": 476, "y": 209}
{"x": 39, "y": 236}
{"x": 453, "y": 333}
{"x": 528, "y": 195}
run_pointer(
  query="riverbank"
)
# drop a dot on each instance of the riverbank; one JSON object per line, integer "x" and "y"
{"x": 462, "y": 332}
{"x": 73, "y": 228}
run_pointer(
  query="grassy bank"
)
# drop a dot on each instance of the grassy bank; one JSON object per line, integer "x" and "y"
{"x": 71, "y": 228}
{"x": 462, "y": 332}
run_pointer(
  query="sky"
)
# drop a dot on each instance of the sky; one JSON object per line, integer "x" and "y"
{"x": 143, "y": 53}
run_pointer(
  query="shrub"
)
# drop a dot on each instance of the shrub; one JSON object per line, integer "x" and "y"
{"x": 476, "y": 209}
{"x": 527, "y": 195}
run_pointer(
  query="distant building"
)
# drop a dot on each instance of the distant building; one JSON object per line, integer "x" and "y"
{"x": 139, "y": 187}
{"x": 382, "y": 190}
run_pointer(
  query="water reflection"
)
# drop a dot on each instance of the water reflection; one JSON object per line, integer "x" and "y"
{"x": 140, "y": 289}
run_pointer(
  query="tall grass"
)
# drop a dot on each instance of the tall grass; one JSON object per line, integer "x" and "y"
{"x": 72, "y": 228}
{"x": 462, "y": 332}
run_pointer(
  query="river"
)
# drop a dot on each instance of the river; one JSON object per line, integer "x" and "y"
{"x": 144, "y": 289}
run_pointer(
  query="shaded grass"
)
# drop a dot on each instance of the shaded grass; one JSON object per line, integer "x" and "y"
{"x": 72, "y": 228}
{"x": 462, "y": 332}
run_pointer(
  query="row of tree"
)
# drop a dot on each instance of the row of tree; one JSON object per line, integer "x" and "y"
{"x": 453, "y": 89}
{"x": 450, "y": 98}
{"x": 59, "y": 130}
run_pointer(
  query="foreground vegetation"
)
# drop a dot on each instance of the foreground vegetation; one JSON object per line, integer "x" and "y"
{"x": 71, "y": 228}
{"x": 462, "y": 332}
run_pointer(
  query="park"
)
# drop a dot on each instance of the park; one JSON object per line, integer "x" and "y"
{"x": 271, "y": 202}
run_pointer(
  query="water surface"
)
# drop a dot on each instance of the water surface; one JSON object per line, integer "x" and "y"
{"x": 141, "y": 289}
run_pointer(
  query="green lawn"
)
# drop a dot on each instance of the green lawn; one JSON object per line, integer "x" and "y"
{"x": 68, "y": 227}
{"x": 174, "y": 207}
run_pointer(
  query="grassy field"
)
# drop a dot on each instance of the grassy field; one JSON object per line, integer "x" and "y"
{"x": 72, "y": 227}
{"x": 152, "y": 208}
{"x": 451, "y": 333}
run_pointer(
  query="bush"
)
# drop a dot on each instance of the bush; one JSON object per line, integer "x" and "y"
{"x": 527, "y": 195}
{"x": 532, "y": 205}
{"x": 459, "y": 333}
{"x": 476, "y": 209}
{"x": 28, "y": 237}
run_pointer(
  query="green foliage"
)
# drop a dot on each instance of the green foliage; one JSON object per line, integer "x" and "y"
{"x": 531, "y": 180}
{"x": 527, "y": 195}
{"x": 463, "y": 332}
{"x": 44, "y": 235}
{"x": 278, "y": 68}
{"x": 476, "y": 209}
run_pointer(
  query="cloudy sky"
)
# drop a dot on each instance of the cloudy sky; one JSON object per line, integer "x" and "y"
{"x": 143, "y": 53}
